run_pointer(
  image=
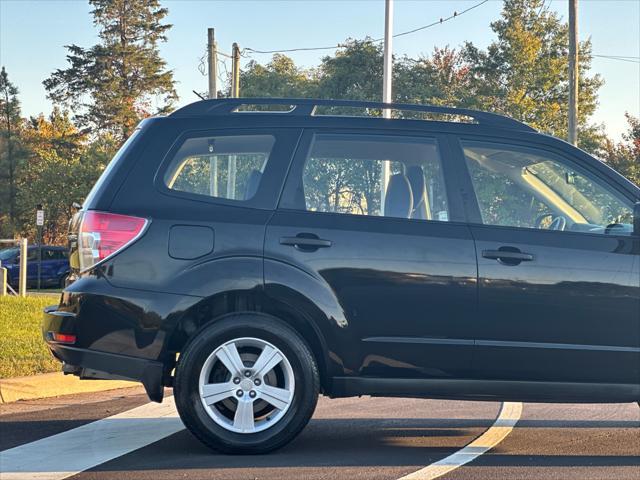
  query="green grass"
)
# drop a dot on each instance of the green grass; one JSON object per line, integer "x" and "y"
{"x": 22, "y": 349}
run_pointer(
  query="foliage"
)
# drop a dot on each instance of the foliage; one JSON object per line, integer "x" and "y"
{"x": 278, "y": 78}
{"x": 22, "y": 350}
{"x": 116, "y": 83}
{"x": 624, "y": 156}
{"x": 11, "y": 152}
{"x": 59, "y": 171}
{"x": 524, "y": 74}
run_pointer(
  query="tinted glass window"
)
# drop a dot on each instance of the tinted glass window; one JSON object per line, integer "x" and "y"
{"x": 228, "y": 167}
{"x": 521, "y": 187}
{"x": 54, "y": 255}
{"x": 112, "y": 164}
{"x": 344, "y": 174}
{"x": 8, "y": 254}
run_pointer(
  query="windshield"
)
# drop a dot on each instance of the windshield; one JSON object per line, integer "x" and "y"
{"x": 595, "y": 204}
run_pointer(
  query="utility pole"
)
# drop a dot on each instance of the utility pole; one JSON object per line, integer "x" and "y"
{"x": 574, "y": 74}
{"x": 235, "y": 93}
{"x": 235, "y": 68}
{"x": 387, "y": 77}
{"x": 213, "y": 64}
{"x": 212, "y": 58}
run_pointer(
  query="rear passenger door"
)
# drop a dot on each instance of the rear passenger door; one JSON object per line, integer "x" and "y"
{"x": 401, "y": 264}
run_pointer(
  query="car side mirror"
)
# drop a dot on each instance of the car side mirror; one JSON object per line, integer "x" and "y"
{"x": 636, "y": 219}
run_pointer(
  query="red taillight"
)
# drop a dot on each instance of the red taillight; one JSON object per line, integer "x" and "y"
{"x": 62, "y": 337}
{"x": 103, "y": 234}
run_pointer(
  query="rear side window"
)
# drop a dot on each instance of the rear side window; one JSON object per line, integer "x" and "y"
{"x": 346, "y": 174}
{"x": 226, "y": 167}
{"x": 50, "y": 255}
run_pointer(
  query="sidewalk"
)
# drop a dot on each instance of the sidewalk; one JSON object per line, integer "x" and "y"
{"x": 53, "y": 385}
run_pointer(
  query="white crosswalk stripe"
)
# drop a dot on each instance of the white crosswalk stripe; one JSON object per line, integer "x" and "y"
{"x": 71, "y": 452}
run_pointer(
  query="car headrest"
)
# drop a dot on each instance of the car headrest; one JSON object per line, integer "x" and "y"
{"x": 253, "y": 182}
{"x": 421, "y": 210}
{"x": 398, "y": 200}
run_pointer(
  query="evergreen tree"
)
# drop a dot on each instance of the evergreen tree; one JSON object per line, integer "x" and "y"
{"x": 11, "y": 152}
{"x": 122, "y": 79}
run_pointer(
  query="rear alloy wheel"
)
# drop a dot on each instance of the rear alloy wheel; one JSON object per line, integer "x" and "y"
{"x": 246, "y": 384}
{"x": 256, "y": 389}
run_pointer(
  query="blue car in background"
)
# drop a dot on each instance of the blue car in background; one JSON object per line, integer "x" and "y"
{"x": 54, "y": 271}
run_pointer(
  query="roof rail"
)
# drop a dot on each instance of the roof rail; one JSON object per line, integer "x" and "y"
{"x": 306, "y": 106}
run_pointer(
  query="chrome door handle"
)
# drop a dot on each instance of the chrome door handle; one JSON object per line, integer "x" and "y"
{"x": 306, "y": 242}
{"x": 508, "y": 256}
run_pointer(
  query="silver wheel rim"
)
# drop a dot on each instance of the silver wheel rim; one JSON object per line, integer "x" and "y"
{"x": 246, "y": 385}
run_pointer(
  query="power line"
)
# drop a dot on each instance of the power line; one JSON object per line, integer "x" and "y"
{"x": 203, "y": 60}
{"x": 442, "y": 20}
{"x": 619, "y": 58}
{"x": 408, "y": 32}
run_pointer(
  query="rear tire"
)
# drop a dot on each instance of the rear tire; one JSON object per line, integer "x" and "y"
{"x": 230, "y": 406}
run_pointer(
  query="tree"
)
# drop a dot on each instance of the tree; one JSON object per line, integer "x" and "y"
{"x": 116, "y": 83}
{"x": 524, "y": 73}
{"x": 624, "y": 156}
{"x": 60, "y": 170}
{"x": 279, "y": 78}
{"x": 11, "y": 151}
{"x": 354, "y": 73}
{"x": 441, "y": 79}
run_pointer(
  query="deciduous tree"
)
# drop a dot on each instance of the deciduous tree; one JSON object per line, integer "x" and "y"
{"x": 624, "y": 156}
{"x": 60, "y": 170}
{"x": 524, "y": 73}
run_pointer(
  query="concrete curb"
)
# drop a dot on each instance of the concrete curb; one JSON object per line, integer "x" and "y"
{"x": 53, "y": 385}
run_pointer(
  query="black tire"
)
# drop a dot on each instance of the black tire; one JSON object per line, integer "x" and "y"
{"x": 266, "y": 328}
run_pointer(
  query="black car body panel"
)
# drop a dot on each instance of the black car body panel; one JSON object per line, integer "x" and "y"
{"x": 393, "y": 306}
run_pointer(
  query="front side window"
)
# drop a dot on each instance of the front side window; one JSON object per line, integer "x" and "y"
{"x": 227, "y": 167}
{"x": 344, "y": 174}
{"x": 521, "y": 187}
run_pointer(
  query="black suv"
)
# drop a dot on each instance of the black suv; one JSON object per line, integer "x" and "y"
{"x": 253, "y": 253}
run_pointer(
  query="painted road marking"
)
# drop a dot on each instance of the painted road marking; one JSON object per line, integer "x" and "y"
{"x": 71, "y": 452}
{"x": 509, "y": 415}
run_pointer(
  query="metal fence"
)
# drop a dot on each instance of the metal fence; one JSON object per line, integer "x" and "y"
{"x": 5, "y": 288}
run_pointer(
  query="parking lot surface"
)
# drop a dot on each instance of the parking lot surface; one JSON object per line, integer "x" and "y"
{"x": 368, "y": 438}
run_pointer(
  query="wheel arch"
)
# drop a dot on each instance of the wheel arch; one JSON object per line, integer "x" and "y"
{"x": 222, "y": 305}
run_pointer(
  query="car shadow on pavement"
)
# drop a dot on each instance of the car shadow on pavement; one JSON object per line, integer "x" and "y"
{"x": 367, "y": 442}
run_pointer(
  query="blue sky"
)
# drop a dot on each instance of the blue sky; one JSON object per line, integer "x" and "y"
{"x": 33, "y": 33}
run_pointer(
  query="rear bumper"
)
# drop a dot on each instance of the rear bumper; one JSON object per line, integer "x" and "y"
{"x": 88, "y": 363}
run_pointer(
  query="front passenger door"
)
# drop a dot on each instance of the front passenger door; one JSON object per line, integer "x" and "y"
{"x": 558, "y": 267}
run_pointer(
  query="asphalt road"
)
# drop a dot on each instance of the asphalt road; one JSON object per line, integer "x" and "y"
{"x": 368, "y": 438}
